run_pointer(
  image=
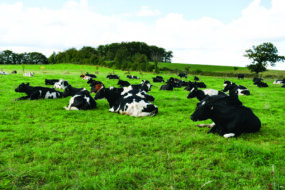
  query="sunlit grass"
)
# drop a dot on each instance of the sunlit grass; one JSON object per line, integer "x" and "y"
{"x": 43, "y": 146}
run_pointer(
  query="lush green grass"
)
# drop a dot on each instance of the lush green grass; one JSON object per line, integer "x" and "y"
{"x": 43, "y": 146}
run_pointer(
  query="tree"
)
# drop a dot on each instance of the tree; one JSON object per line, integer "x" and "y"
{"x": 261, "y": 56}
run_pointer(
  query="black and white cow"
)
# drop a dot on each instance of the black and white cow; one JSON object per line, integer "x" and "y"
{"x": 279, "y": 81}
{"x": 82, "y": 100}
{"x": 61, "y": 84}
{"x": 4, "y": 73}
{"x": 181, "y": 75}
{"x": 71, "y": 91}
{"x": 129, "y": 105}
{"x": 233, "y": 88}
{"x": 94, "y": 87}
{"x": 90, "y": 75}
{"x": 144, "y": 86}
{"x": 240, "y": 76}
{"x": 230, "y": 117}
{"x": 123, "y": 83}
{"x": 51, "y": 81}
{"x": 113, "y": 76}
{"x": 158, "y": 79}
{"x": 132, "y": 77}
{"x": 201, "y": 94}
{"x": 29, "y": 74}
{"x": 37, "y": 92}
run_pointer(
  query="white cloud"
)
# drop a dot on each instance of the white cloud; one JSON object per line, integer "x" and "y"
{"x": 200, "y": 41}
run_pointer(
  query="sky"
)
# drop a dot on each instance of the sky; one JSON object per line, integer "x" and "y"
{"x": 197, "y": 32}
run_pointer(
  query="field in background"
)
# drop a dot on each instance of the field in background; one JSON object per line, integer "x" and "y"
{"x": 43, "y": 146}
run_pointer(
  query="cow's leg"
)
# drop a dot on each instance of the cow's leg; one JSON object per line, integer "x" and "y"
{"x": 23, "y": 98}
{"x": 206, "y": 125}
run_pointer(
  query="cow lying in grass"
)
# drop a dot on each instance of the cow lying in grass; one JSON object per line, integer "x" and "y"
{"x": 37, "y": 92}
{"x": 230, "y": 117}
{"x": 130, "y": 105}
{"x": 201, "y": 94}
{"x": 233, "y": 88}
{"x": 81, "y": 100}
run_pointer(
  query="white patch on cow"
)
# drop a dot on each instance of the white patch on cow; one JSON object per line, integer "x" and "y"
{"x": 126, "y": 89}
{"x": 49, "y": 95}
{"x": 228, "y": 135}
{"x": 192, "y": 89}
{"x": 86, "y": 78}
{"x": 128, "y": 95}
{"x": 3, "y": 73}
{"x": 278, "y": 82}
{"x": 59, "y": 84}
{"x": 71, "y": 101}
{"x": 240, "y": 91}
{"x": 202, "y": 103}
{"x": 40, "y": 92}
{"x": 30, "y": 74}
{"x": 135, "y": 109}
{"x": 87, "y": 99}
{"x": 140, "y": 95}
{"x": 211, "y": 92}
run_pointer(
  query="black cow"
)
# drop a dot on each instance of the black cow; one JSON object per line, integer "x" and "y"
{"x": 71, "y": 91}
{"x": 230, "y": 117}
{"x": 196, "y": 78}
{"x": 240, "y": 76}
{"x": 37, "y": 92}
{"x": 261, "y": 84}
{"x": 158, "y": 79}
{"x": 123, "y": 83}
{"x": 82, "y": 100}
{"x": 169, "y": 85}
{"x": 51, "y": 81}
{"x": 90, "y": 75}
{"x": 129, "y": 105}
{"x": 256, "y": 80}
{"x": 181, "y": 75}
{"x": 200, "y": 84}
{"x": 113, "y": 76}
{"x": 14, "y": 72}
{"x": 132, "y": 77}
{"x": 201, "y": 94}
{"x": 235, "y": 89}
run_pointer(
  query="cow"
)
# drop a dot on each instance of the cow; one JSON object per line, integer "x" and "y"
{"x": 255, "y": 80}
{"x": 196, "y": 78}
{"x": 233, "y": 88}
{"x": 90, "y": 75}
{"x": 200, "y": 84}
{"x": 85, "y": 77}
{"x": 81, "y": 100}
{"x": 144, "y": 86}
{"x": 240, "y": 76}
{"x": 230, "y": 117}
{"x": 123, "y": 83}
{"x": 158, "y": 79}
{"x": 71, "y": 91}
{"x": 30, "y": 74}
{"x": 169, "y": 85}
{"x": 129, "y": 105}
{"x": 113, "y": 76}
{"x": 181, "y": 75}
{"x": 14, "y": 72}
{"x": 37, "y": 92}
{"x": 279, "y": 81}
{"x": 61, "y": 84}
{"x": 51, "y": 81}
{"x": 261, "y": 84}
{"x": 3, "y": 73}
{"x": 201, "y": 94}
{"x": 132, "y": 77}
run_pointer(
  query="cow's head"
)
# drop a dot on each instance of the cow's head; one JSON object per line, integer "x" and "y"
{"x": 96, "y": 87}
{"x": 203, "y": 110}
{"x": 22, "y": 87}
{"x": 193, "y": 92}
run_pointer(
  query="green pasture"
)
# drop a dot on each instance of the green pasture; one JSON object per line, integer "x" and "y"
{"x": 44, "y": 146}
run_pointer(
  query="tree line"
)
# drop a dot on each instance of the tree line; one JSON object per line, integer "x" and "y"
{"x": 9, "y": 57}
{"x": 124, "y": 55}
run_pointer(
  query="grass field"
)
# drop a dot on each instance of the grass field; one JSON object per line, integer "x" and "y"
{"x": 43, "y": 146}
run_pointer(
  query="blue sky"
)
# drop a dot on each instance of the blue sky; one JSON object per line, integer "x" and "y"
{"x": 200, "y": 32}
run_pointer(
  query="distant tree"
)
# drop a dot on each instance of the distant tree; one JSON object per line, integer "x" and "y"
{"x": 122, "y": 58}
{"x": 38, "y": 58}
{"x": 52, "y": 58}
{"x": 261, "y": 56}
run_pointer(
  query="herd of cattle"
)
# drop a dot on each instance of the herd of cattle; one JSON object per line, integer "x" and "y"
{"x": 230, "y": 117}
